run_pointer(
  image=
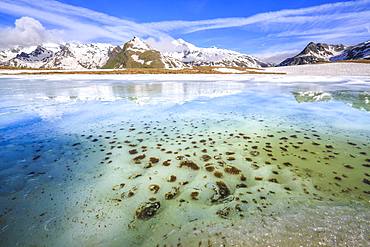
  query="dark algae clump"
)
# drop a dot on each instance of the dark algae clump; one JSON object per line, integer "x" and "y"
{"x": 232, "y": 170}
{"x": 221, "y": 192}
{"x": 172, "y": 194}
{"x": 190, "y": 164}
{"x": 147, "y": 210}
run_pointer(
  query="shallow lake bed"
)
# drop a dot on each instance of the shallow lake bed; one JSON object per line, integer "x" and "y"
{"x": 184, "y": 163}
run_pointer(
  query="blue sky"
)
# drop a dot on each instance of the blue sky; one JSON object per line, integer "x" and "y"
{"x": 266, "y": 28}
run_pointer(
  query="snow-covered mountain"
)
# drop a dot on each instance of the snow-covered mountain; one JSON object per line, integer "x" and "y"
{"x": 196, "y": 56}
{"x": 319, "y": 52}
{"x": 314, "y": 53}
{"x": 138, "y": 54}
{"x": 63, "y": 56}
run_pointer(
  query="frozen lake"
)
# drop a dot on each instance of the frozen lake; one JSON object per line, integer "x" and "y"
{"x": 226, "y": 162}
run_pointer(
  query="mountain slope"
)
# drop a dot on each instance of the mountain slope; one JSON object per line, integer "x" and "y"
{"x": 196, "y": 56}
{"x": 319, "y": 52}
{"x": 87, "y": 56}
{"x": 360, "y": 51}
{"x": 314, "y": 53}
{"x": 138, "y": 54}
{"x": 6, "y": 55}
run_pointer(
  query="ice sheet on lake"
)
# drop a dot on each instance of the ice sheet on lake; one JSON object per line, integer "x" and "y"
{"x": 183, "y": 160}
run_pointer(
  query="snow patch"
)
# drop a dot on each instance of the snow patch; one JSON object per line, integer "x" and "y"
{"x": 137, "y": 59}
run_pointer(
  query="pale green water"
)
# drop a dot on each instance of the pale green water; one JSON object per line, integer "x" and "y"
{"x": 102, "y": 163}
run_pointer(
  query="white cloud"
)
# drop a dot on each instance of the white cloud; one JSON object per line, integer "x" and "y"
{"x": 162, "y": 44}
{"x": 326, "y": 12}
{"x": 27, "y": 31}
{"x": 342, "y": 22}
{"x": 79, "y": 23}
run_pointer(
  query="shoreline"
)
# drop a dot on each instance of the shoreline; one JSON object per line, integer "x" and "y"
{"x": 140, "y": 71}
{"x": 341, "y": 69}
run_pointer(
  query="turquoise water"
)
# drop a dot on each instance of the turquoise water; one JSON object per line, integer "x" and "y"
{"x": 184, "y": 163}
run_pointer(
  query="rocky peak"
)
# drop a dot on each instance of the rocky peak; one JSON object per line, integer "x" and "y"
{"x": 65, "y": 51}
{"x": 323, "y": 48}
{"x": 136, "y": 44}
{"x": 39, "y": 54}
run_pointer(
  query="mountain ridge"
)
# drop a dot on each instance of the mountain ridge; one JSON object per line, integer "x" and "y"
{"x": 133, "y": 54}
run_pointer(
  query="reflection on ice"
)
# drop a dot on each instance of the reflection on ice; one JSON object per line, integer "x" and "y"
{"x": 44, "y": 97}
{"x": 356, "y": 99}
{"x": 105, "y": 91}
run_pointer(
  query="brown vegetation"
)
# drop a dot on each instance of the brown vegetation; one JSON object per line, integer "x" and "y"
{"x": 354, "y": 61}
{"x": 194, "y": 70}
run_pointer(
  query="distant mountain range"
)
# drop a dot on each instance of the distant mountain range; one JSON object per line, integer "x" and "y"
{"x": 320, "y": 53}
{"x": 138, "y": 54}
{"x": 133, "y": 54}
